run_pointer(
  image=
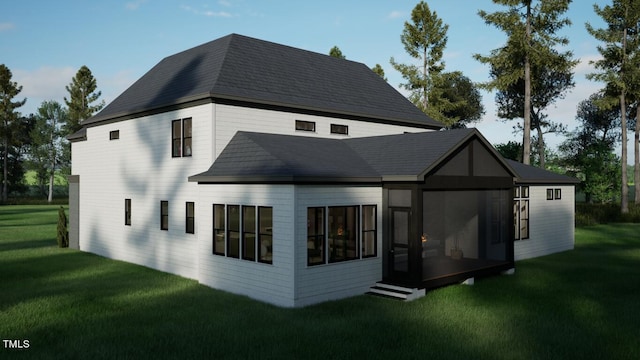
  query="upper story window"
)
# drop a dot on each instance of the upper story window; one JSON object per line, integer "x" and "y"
{"x": 339, "y": 129}
{"x": 114, "y": 135}
{"x": 181, "y": 138}
{"x": 305, "y": 125}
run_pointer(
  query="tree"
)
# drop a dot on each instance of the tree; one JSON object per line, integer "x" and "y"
{"x": 380, "y": 71}
{"x": 9, "y": 117}
{"x": 82, "y": 93}
{"x": 336, "y": 53}
{"x": 618, "y": 66}
{"x": 62, "y": 235}
{"x": 47, "y": 147}
{"x": 588, "y": 150}
{"x": 531, "y": 27}
{"x": 425, "y": 39}
{"x": 511, "y": 150}
{"x": 458, "y": 100}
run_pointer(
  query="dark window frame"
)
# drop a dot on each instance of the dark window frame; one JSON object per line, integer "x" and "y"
{"x": 519, "y": 203}
{"x": 318, "y": 239}
{"x": 247, "y": 226}
{"x": 304, "y": 125}
{"x": 164, "y": 215}
{"x": 549, "y": 194}
{"x": 190, "y": 220}
{"x": 217, "y": 231}
{"x": 557, "y": 194}
{"x": 339, "y": 129}
{"x": 350, "y": 236}
{"x": 114, "y": 134}
{"x": 267, "y": 257}
{"x": 181, "y": 134}
{"x": 127, "y": 212}
{"x": 373, "y": 231}
{"x": 234, "y": 251}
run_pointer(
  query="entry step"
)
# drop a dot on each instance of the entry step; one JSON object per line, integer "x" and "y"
{"x": 396, "y": 291}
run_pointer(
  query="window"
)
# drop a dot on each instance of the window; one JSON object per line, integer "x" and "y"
{"x": 343, "y": 233}
{"x": 127, "y": 212}
{"x": 557, "y": 194}
{"x": 218, "y": 229}
{"x": 181, "y": 138}
{"x": 369, "y": 231}
{"x": 164, "y": 215}
{"x": 249, "y": 232}
{"x": 190, "y": 218}
{"x": 521, "y": 213}
{"x": 305, "y": 125}
{"x": 315, "y": 236}
{"x": 265, "y": 235}
{"x": 549, "y": 194}
{"x": 233, "y": 231}
{"x": 114, "y": 135}
{"x": 339, "y": 129}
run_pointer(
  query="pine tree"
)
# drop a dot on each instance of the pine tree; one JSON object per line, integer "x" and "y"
{"x": 336, "y": 53}
{"x": 9, "y": 121}
{"x": 424, "y": 38}
{"x": 82, "y": 93}
{"x": 618, "y": 67}
{"x": 531, "y": 27}
{"x": 380, "y": 71}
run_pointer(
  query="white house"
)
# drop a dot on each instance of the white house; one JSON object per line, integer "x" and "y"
{"x": 294, "y": 177}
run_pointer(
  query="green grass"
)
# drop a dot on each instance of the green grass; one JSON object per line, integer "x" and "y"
{"x": 579, "y": 304}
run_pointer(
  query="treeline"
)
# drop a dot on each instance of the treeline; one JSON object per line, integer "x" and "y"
{"x": 38, "y": 142}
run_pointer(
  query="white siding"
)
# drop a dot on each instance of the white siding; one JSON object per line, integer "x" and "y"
{"x": 272, "y": 283}
{"x": 336, "y": 280}
{"x": 139, "y": 166}
{"x": 231, "y": 119}
{"x": 551, "y": 223}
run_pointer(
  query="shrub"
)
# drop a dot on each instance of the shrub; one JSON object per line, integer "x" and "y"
{"x": 63, "y": 234}
{"x": 593, "y": 214}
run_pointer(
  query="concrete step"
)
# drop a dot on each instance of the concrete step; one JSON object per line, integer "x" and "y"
{"x": 396, "y": 292}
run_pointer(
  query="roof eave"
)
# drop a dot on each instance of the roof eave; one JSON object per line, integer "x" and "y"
{"x": 287, "y": 179}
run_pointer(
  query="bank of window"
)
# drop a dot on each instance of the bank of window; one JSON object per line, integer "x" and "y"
{"x": 248, "y": 231}
{"x": 338, "y": 233}
{"x": 265, "y": 234}
{"x": 315, "y": 236}
{"x": 190, "y": 218}
{"x": 339, "y": 129}
{"x": 521, "y": 213}
{"x": 305, "y": 125}
{"x": 218, "y": 229}
{"x": 127, "y": 212}
{"x": 369, "y": 231}
{"x": 164, "y": 215}
{"x": 557, "y": 194}
{"x": 181, "y": 138}
{"x": 114, "y": 135}
{"x": 233, "y": 231}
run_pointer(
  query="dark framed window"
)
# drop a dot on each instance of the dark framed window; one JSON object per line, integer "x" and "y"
{"x": 265, "y": 234}
{"x": 315, "y": 236}
{"x": 219, "y": 229}
{"x": 233, "y": 231}
{"x": 190, "y": 218}
{"x": 305, "y": 125}
{"x": 525, "y": 192}
{"x": 114, "y": 135}
{"x": 521, "y": 213}
{"x": 549, "y": 194}
{"x": 181, "y": 138}
{"x": 249, "y": 232}
{"x": 369, "y": 231}
{"x": 127, "y": 212}
{"x": 557, "y": 194}
{"x": 343, "y": 233}
{"x": 339, "y": 129}
{"x": 164, "y": 215}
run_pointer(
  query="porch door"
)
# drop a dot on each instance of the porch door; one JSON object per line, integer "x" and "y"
{"x": 399, "y": 242}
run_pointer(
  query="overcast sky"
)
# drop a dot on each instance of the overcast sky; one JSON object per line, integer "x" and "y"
{"x": 45, "y": 42}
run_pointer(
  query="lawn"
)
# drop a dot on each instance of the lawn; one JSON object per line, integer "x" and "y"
{"x": 579, "y": 304}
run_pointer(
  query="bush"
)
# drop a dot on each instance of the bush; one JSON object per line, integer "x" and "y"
{"x": 63, "y": 234}
{"x": 593, "y": 214}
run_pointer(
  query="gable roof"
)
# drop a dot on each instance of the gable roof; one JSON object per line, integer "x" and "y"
{"x": 239, "y": 68}
{"x": 533, "y": 175}
{"x": 270, "y": 158}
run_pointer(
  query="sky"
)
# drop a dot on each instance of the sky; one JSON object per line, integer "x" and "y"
{"x": 44, "y": 43}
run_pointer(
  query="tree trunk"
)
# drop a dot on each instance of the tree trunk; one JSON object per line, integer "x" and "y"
{"x": 542, "y": 164}
{"x": 5, "y": 173}
{"x": 636, "y": 145}
{"x": 624, "y": 201}
{"x": 51, "y": 179}
{"x": 526, "y": 137}
{"x": 425, "y": 73}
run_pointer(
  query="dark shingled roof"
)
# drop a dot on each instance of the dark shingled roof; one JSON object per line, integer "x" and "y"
{"x": 533, "y": 175}
{"x": 239, "y": 68}
{"x": 257, "y": 157}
